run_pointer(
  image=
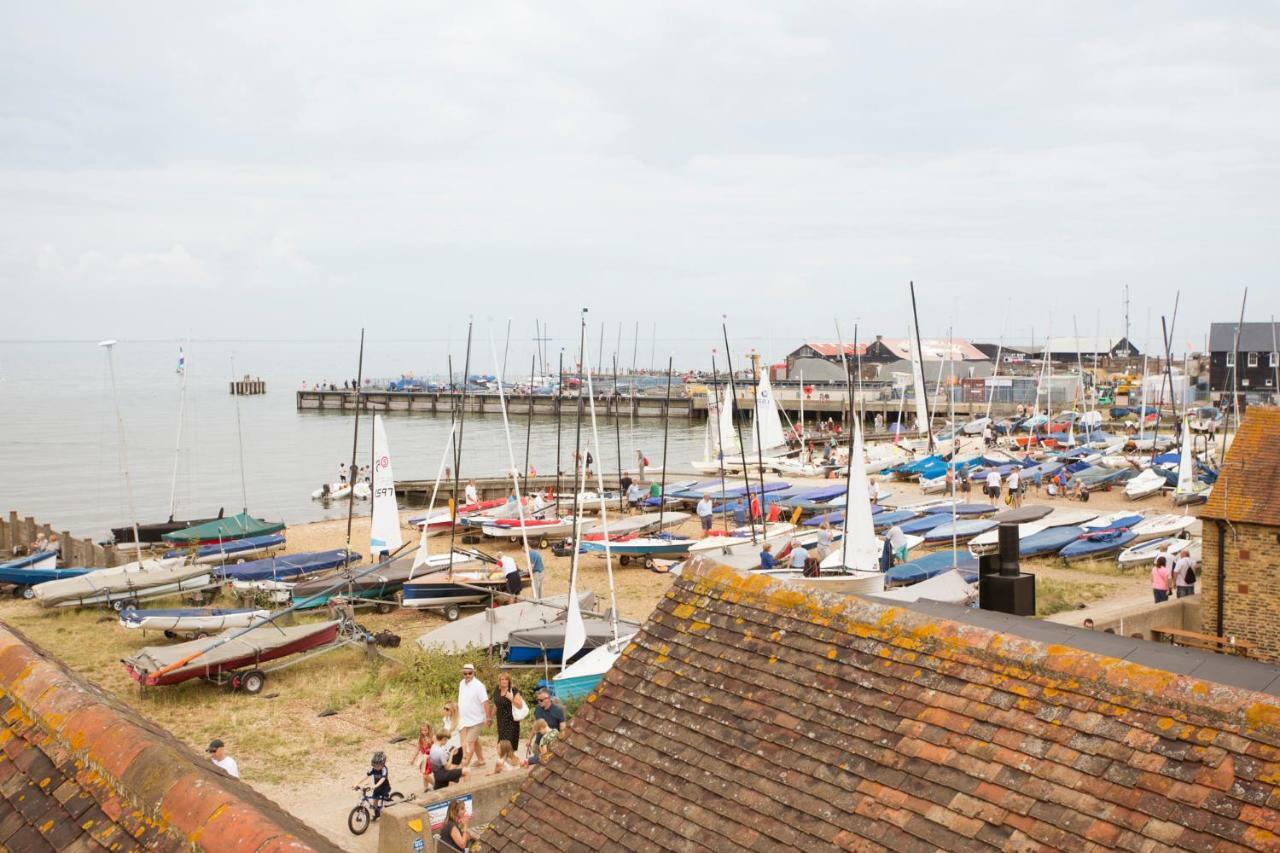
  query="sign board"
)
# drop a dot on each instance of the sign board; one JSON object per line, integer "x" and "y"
{"x": 439, "y": 812}
{"x": 998, "y": 382}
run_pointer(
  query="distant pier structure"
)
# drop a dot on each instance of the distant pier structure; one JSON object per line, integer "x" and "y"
{"x": 248, "y": 386}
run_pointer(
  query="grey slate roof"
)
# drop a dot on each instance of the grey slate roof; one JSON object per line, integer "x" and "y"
{"x": 1254, "y": 337}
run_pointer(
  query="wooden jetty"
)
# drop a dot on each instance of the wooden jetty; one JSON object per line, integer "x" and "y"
{"x": 248, "y": 387}
{"x": 21, "y": 532}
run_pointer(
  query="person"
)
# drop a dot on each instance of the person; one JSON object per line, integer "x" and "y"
{"x": 754, "y": 506}
{"x": 1184, "y": 574}
{"x": 1088, "y": 624}
{"x": 456, "y": 832}
{"x": 473, "y": 714}
{"x": 514, "y": 582}
{"x": 641, "y": 462}
{"x": 988, "y": 435}
{"x": 1082, "y": 492}
{"x": 536, "y": 568}
{"x": 550, "y": 712}
{"x": 589, "y": 461}
{"x": 875, "y": 490}
{"x": 634, "y": 496}
{"x": 655, "y": 491}
{"x": 993, "y": 485}
{"x": 704, "y": 514}
{"x": 1160, "y": 580}
{"x": 449, "y": 725}
{"x": 624, "y": 485}
{"x": 540, "y": 741}
{"x": 507, "y": 759}
{"x": 506, "y": 701}
{"x": 422, "y": 758}
{"x": 1015, "y": 488}
{"x": 767, "y": 560}
{"x": 342, "y": 473}
{"x": 898, "y": 541}
{"x": 444, "y": 764}
{"x": 218, "y": 755}
{"x": 1052, "y": 488}
{"x": 1037, "y": 480}
{"x": 965, "y": 486}
{"x": 472, "y": 496}
{"x": 381, "y": 779}
{"x": 879, "y": 422}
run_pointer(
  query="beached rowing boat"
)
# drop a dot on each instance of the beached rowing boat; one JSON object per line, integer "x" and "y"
{"x": 184, "y": 620}
{"x": 216, "y": 657}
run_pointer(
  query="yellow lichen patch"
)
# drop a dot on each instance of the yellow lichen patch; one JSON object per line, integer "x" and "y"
{"x": 773, "y": 658}
{"x": 699, "y": 626}
{"x": 683, "y": 611}
{"x": 889, "y": 616}
{"x": 1138, "y": 678}
{"x": 831, "y": 653}
{"x": 1199, "y": 687}
{"x": 1263, "y": 714}
{"x": 591, "y": 698}
{"x": 775, "y": 635}
{"x": 1164, "y": 723}
{"x": 662, "y": 653}
{"x": 746, "y": 635}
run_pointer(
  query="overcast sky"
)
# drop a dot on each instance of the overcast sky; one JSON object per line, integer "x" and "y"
{"x": 297, "y": 170}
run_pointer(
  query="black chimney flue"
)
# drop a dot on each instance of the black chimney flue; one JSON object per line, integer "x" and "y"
{"x": 1009, "y": 551}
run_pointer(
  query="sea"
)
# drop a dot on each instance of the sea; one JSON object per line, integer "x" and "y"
{"x": 63, "y": 456}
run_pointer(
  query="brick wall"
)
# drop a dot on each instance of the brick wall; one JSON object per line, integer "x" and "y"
{"x": 1252, "y": 590}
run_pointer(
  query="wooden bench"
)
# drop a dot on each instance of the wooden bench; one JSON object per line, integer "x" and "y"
{"x": 1208, "y": 642}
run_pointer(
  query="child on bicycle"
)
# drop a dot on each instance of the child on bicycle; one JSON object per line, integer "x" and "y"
{"x": 381, "y": 781}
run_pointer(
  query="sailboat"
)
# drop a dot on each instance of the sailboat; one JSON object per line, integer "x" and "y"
{"x": 720, "y": 443}
{"x": 384, "y": 526}
{"x": 1189, "y": 490}
{"x": 769, "y": 436}
{"x": 134, "y": 534}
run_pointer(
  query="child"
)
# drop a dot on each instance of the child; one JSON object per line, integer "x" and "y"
{"x": 444, "y": 769}
{"x": 540, "y": 742}
{"x": 381, "y": 781}
{"x": 507, "y": 760}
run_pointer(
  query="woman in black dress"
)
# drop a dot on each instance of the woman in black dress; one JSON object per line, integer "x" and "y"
{"x": 505, "y": 699}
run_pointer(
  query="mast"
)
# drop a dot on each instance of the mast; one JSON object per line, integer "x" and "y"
{"x": 575, "y": 631}
{"x": 991, "y": 396}
{"x": 244, "y": 491}
{"x": 604, "y": 510}
{"x": 666, "y": 429}
{"x": 124, "y": 445}
{"x": 559, "y": 406}
{"x": 737, "y": 421}
{"x": 1235, "y": 385}
{"x": 755, "y": 378}
{"x": 915, "y": 314}
{"x": 715, "y": 390}
{"x": 617, "y": 425}
{"x": 355, "y": 444}
{"x": 457, "y": 447}
{"x": 528, "y": 428}
{"x": 177, "y": 444}
{"x": 853, "y": 445}
{"x": 515, "y": 473}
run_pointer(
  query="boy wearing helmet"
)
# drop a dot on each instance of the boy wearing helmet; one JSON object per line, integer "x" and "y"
{"x": 381, "y": 780}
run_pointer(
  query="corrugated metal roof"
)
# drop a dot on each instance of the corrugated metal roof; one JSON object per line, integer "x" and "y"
{"x": 1248, "y": 485}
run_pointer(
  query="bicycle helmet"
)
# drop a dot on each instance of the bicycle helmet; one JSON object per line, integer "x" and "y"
{"x": 379, "y": 758}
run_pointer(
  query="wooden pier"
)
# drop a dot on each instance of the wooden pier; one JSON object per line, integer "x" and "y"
{"x": 816, "y": 406}
{"x": 248, "y": 387}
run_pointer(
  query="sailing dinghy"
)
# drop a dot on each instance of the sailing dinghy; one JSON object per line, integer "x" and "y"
{"x": 215, "y": 658}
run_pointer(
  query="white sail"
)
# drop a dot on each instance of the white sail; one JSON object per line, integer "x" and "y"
{"x": 384, "y": 530}
{"x": 768, "y": 422}
{"x": 423, "y": 554}
{"x": 917, "y": 379}
{"x": 1186, "y": 465}
{"x": 860, "y": 547}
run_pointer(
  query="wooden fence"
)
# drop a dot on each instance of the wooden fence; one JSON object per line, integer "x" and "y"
{"x": 22, "y": 532}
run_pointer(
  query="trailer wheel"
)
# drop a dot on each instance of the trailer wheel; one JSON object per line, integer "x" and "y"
{"x": 624, "y": 560}
{"x": 384, "y": 607}
{"x": 648, "y": 562}
{"x": 253, "y": 681}
{"x": 451, "y": 613}
{"x": 358, "y": 820}
{"x": 513, "y": 539}
{"x": 26, "y": 592}
{"x": 170, "y": 635}
{"x": 543, "y": 542}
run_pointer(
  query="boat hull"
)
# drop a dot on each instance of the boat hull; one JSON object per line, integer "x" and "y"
{"x": 324, "y": 636}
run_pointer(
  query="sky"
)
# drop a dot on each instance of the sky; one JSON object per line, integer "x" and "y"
{"x": 299, "y": 170}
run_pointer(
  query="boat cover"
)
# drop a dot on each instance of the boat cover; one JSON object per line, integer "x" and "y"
{"x": 234, "y": 527}
{"x": 289, "y": 566}
{"x": 931, "y": 565}
{"x": 253, "y": 643}
{"x": 233, "y": 547}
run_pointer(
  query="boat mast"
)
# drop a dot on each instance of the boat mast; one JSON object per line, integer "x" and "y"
{"x": 124, "y": 445}
{"x": 991, "y": 396}
{"x": 528, "y": 428}
{"x": 666, "y": 429}
{"x": 515, "y": 473}
{"x": 177, "y": 444}
{"x": 457, "y": 447}
{"x": 848, "y": 474}
{"x": 737, "y": 421}
{"x": 915, "y": 314}
{"x": 617, "y": 424}
{"x": 715, "y": 389}
{"x": 575, "y": 631}
{"x": 244, "y": 491}
{"x": 755, "y": 387}
{"x": 559, "y": 406}
{"x": 604, "y": 511}
{"x": 355, "y": 443}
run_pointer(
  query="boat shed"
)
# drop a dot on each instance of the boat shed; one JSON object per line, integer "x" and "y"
{"x": 753, "y": 714}
{"x": 1258, "y": 353}
{"x": 81, "y": 772}
{"x": 831, "y": 353}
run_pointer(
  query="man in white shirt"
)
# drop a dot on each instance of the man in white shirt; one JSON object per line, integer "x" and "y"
{"x": 218, "y": 755}
{"x": 898, "y": 542}
{"x": 474, "y": 714}
{"x": 1184, "y": 574}
{"x": 515, "y": 584}
{"x": 993, "y": 485}
{"x": 799, "y": 556}
{"x": 470, "y": 491}
{"x": 704, "y": 514}
{"x": 1015, "y": 494}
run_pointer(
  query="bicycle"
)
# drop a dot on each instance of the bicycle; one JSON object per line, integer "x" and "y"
{"x": 370, "y": 808}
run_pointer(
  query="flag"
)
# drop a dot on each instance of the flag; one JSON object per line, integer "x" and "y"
{"x": 182, "y": 361}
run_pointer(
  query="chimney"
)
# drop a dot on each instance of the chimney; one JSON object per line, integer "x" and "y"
{"x": 1002, "y": 585}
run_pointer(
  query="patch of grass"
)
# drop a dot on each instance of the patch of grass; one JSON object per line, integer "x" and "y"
{"x": 1056, "y": 596}
{"x": 1108, "y": 568}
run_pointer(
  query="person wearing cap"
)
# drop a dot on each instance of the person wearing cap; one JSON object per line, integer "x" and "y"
{"x": 218, "y": 755}
{"x": 474, "y": 713}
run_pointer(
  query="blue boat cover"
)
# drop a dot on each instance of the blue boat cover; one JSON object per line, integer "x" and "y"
{"x": 1051, "y": 540}
{"x": 1100, "y": 544}
{"x": 925, "y": 523}
{"x": 30, "y": 559}
{"x": 31, "y": 577}
{"x": 888, "y": 519}
{"x": 931, "y": 565}
{"x": 292, "y": 565}
{"x": 234, "y": 546}
{"x": 961, "y": 529}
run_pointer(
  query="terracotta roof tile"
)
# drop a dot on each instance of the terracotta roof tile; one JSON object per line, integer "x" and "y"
{"x": 79, "y": 772}
{"x": 729, "y": 723}
{"x": 1246, "y": 486}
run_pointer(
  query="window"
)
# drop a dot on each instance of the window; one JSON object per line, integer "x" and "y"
{"x": 1275, "y": 360}
{"x": 1231, "y": 359}
{"x": 1253, "y": 359}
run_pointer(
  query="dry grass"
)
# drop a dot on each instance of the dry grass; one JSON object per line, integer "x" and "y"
{"x": 1055, "y": 596}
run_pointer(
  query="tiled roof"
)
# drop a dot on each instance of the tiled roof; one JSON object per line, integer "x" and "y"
{"x": 1247, "y": 486}
{"x": 79, "y": 771}
{"x": 833, "y": 350}
{"x": 751, "y": 715}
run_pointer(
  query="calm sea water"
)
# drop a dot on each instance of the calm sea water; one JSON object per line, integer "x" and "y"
{"x": 60, "y": 456}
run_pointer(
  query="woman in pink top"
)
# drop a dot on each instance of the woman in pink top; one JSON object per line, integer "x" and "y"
{"x": 1160, "y": 580}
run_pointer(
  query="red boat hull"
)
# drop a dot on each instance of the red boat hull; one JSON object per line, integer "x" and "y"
{"x": 302, "y": 644}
